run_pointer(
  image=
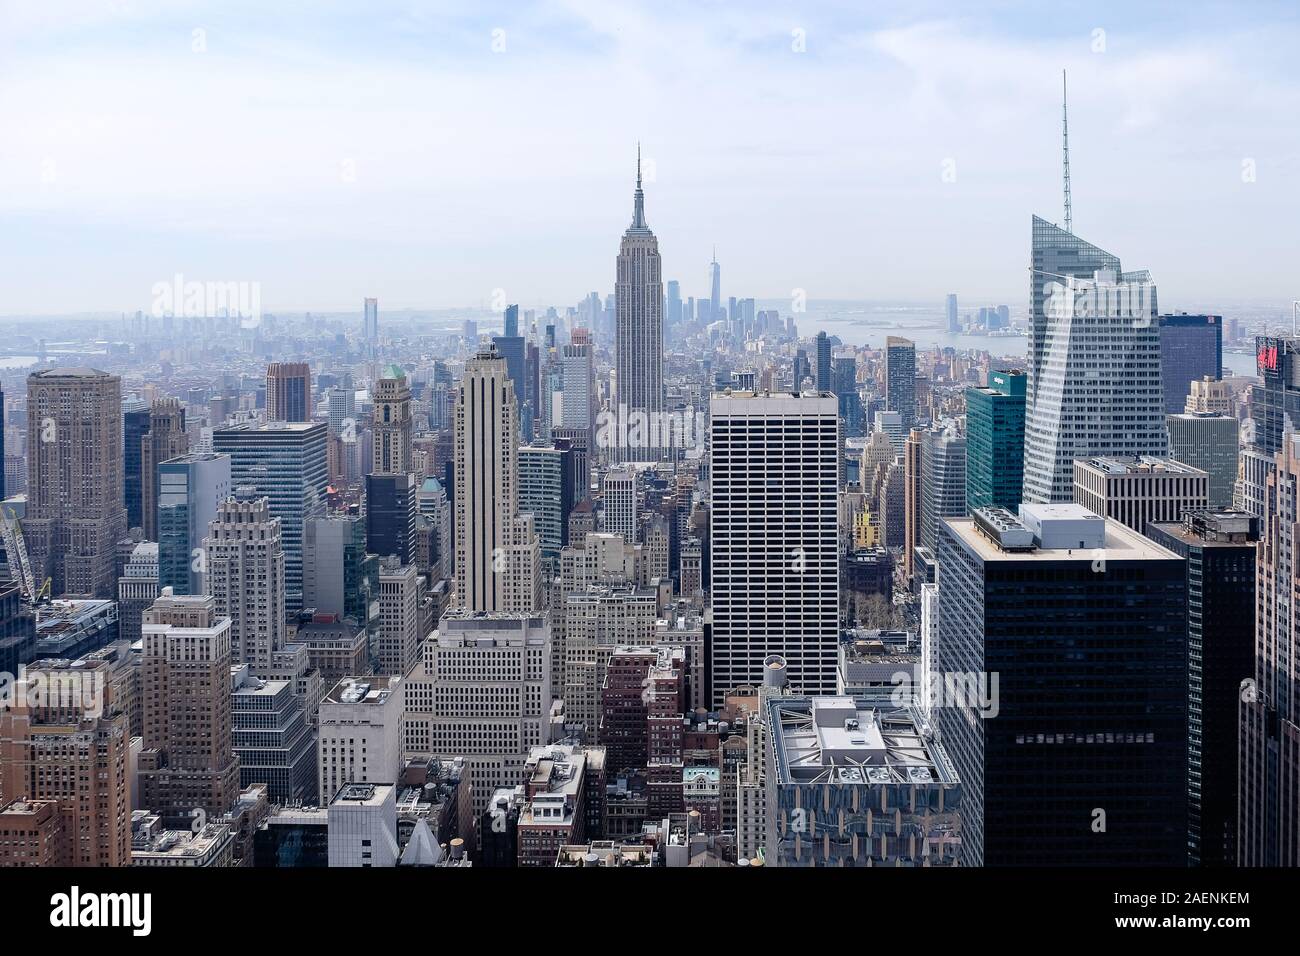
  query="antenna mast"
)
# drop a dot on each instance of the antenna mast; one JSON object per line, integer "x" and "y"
{"x": 1065, "y": 155}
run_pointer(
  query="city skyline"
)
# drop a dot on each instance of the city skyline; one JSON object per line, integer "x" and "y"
{"x": 419, "y": 184}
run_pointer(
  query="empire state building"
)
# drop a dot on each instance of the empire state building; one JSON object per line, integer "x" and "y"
{"x": 638, "y": 298}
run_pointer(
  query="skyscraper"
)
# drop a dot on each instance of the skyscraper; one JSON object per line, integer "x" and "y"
{"x": 370, "y": 328}
{"x": 1219, "y": 550}
{"x": 288, "y": 392}
{"x": 1269, "y": 769}
{"x": 190, "y": 489}
{"x": 390, "y": 485}
{"x": 482, "y": 691}
{"x": 135, "y": 425}
{"x": 1209, "y": 442}
{"x": 246, "y": 577}
{"x": 900, "y": 378}
{"x": 1094, "y": 385}
{"x": 954, "y": 323}
{"x": 577, "y": 395}
{"x": 912, "y": 491}
{"x": 824, "y": 363}
{"x": 496, "y": 548}
{"x": 189, "y": 759}
{"x": 165, "y": 439}
{"x": 638, "y": 296}
{"x": 943, "y": 483}
{"x": 775, "y": 561}
{"x": 715, "y": 284}
{"x": 1077, "y": 755}
{"x": 1191, "y": 349}
{"x": 284, "y": 463}
{"x": 995, "y": 442}
{"x": 75, "y": 753}
{"x": 75, "y": 512}
{"x": 546, "y": 491}
{"x": 511, "y": 347}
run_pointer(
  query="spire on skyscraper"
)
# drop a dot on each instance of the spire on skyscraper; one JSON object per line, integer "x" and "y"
{"x": 1065, "y": 155}
{"x": 638, "y": 211}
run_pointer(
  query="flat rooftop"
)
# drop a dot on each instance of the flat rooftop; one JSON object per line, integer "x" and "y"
{"x": 362, "y": 690}
{"x": 1119, "y": 542}
{"x": 862, "y": 741}
{"x": 1141, "y": 465}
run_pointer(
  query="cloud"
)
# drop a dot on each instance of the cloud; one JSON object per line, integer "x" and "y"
{"x": 390, "y": 148}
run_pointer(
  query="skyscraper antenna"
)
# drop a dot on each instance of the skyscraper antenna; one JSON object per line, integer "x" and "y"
{"x": 1065, "y": 154}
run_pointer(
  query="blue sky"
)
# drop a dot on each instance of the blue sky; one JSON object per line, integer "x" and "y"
{"x": 431, "y": 153}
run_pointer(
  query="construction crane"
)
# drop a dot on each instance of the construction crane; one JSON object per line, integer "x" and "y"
{"x": 20, "y": 566}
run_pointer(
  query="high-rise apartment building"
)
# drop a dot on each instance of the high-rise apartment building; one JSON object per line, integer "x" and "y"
{"x": 246, "y": 577}
{"x": 288, "y": 392}
{"x": 638, "y": 352}
{"x": 598, "y": 619}
{"x": 995, "y": 442}
{"x": 188, "y": 761}
{"x": 1208, "y": 397}
{"x": 284, "y": 463}
{"x": 774, "y": 538}
{"x": 1058, "y": 680}
{"x": 1094, "y": 387}
{"x": 75, "y": 513}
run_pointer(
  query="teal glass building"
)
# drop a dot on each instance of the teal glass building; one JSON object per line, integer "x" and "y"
{"x": 995, "y": 442}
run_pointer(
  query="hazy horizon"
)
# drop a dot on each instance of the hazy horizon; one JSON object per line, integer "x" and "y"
{"x": 432, "y": 157}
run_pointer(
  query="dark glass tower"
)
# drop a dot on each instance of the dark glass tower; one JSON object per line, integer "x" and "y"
{"x": 1191, "y": 347}
{"x": 823, "y": 362}
{"x": 900, "y": 378}
{"x": 1219, "y": 548}
{"x": 1077, "y": 756}
{"x": 135, "y": 425}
